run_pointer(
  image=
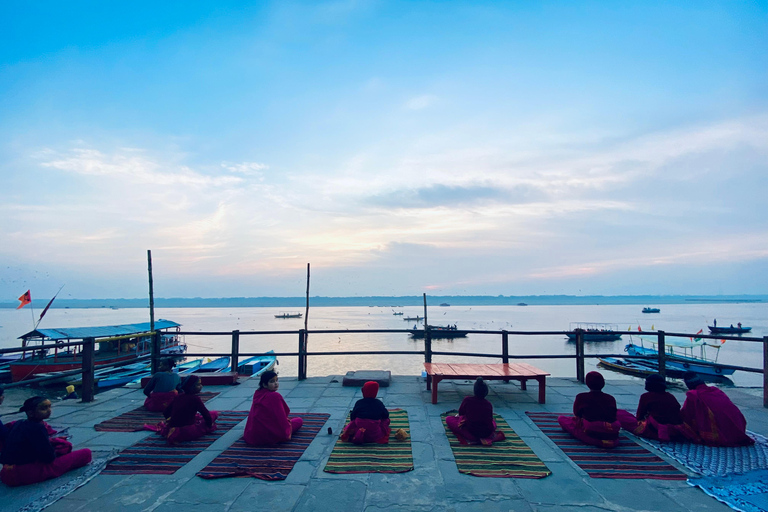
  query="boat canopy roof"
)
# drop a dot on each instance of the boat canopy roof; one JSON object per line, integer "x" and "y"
{"x": 680, "y": 343}
{"x": 105, "y": 331}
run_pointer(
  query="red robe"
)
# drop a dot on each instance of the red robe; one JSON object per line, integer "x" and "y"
{"x": 268, "y": 421}
{"x": 658, "y": 417}
{"x": 594, "y": 421}
{"x": 715, "y": 418}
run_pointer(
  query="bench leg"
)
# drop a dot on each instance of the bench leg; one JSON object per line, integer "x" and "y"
{"x": 542, "y": 389}
{"x": 435, "y": 380}
{"x": 523, "y": 384}
{"x": 429, "y": 382}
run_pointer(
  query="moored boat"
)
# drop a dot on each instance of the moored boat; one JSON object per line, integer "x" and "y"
{"x": 289, "y": 315}
{"x": 416, "y": 318}
{"x": 685, "y": 361}
{"x": 739, "y": 329}
{"x": 651, "y": 310}
{"x": 215, "y": 366}
{"x": 440, "y": 332}
{"x": 595, "y": 331}
{"x": 256, "y": 365}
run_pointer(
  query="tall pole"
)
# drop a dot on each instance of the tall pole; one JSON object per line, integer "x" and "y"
{"x": 155, "y": 339}
{"x": 306, "y": 333}
{"x": 425, "y": 310}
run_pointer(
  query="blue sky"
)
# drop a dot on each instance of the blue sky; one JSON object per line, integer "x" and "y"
{"x": 399, "y": 147}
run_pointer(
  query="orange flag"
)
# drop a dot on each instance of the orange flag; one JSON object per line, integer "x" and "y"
{"x": 25, "y": 299}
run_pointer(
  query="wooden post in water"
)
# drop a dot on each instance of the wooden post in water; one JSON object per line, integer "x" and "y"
{"x": 88, "y": 367}
{"x": 305, "y": 338}
{"x": 580, "y": 355}
{"x": 155, "y": 340}
{"x": 765, "y": 371}
{"x": 235, "y": 350}
{"x": 662, "y": 355}
{"x": 505, "y": 347}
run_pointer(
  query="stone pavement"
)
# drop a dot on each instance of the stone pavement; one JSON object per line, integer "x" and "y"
{"x": 434, "y": 485}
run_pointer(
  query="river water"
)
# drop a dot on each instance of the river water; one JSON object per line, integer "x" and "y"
{"x": 683, "y": 318}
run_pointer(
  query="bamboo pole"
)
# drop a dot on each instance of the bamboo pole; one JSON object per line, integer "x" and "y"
{"x": 155, "y": 339}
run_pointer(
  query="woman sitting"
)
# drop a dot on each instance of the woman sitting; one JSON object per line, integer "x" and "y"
{"x": 268, "y": 421}
{"x": 162, "y": 388}
{"x": 187, "y": 418}
{"x": 475, "y": 424}
{"x": 712, "y": 415}
{"x": 369, "y": 419}
{"x": 594, "y": 415}
{"x": 30, "y": 456}
{"x": 658, "y": 414}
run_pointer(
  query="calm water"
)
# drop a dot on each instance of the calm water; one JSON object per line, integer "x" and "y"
{"x": 673, "y": 318}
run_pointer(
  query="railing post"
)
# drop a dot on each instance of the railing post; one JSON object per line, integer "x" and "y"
{"x": 580, "y": 355}
{"x": 662, "y": 355}
{"x": 505, "y": 347}
{"x": 88, "y": 366}
{"x": 235, "y": 350}
{"x": 155, "y": 350}
{"x": 427, "y": 344}
{"x": 302, "y": 355}
{"x": 765, "y": 371}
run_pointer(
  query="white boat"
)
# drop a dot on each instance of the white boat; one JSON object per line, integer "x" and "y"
{"x": 681, "y": 355}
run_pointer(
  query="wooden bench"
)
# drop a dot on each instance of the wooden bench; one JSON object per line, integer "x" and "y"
{"x": 513, "y": 371}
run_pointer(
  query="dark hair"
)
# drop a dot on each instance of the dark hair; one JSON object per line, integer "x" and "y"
{"x": 167, "y": 362}
{"x": 30, "y": 404}
{"x": 188, "y": 384}
{"x": 266, "y": 377}
{"x": 655, "y": 383}
{"x": 692, "y": 380}
{"x": 481, "y": 388}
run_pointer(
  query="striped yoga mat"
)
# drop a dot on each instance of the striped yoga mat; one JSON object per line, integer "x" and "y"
{"x": 628, "y": 460}
{"x": 395, "y": 457}
{"x": 154, "y": 456}
{"x": 266, "y": 462}
{"x": 133, "y": 421}
{"x": 511, "y": 458}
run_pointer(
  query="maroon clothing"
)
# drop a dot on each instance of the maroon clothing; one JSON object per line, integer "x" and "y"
{"x": 478, "y": 416}
{"x": 182, "y": 411}
{"x": 595, "y": 406}
{"x": 663, "y": 406}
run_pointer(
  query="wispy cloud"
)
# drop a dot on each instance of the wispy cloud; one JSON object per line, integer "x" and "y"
{"x": 421, "y": 102}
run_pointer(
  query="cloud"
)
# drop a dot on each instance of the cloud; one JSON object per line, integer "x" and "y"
{"x": 421, "y": 102}
{"x": 450, "y": 196}
{"x": 251, "y": 168}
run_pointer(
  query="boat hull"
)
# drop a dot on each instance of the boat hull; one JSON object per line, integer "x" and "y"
{"x": 681, "y": 363}
{"x": 729, "y": 330}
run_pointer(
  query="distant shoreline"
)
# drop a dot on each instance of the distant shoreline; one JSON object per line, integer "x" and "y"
{"x": 394, "y": 302}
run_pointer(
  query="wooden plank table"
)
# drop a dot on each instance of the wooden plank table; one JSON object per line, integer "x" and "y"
{"x": 512, "y": 371}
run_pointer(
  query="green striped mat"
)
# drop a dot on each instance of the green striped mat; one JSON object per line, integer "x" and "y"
{"x": 511, "y": 458}
{"x": 395, "y": 457}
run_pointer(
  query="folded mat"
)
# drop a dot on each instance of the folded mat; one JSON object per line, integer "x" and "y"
{"x": 154, "y": 456}
{"x": 395, "y": 457}
{"x": 510, "y": 458}
{"x": 627, "y": 460}
{"x": 266, "y": 462}
{"x": 718, "y": 460}
{"x": 747, "y": 492}
{"x": 133, "y": 421}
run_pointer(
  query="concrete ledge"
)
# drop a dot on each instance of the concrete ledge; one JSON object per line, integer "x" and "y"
{"x": 360, "y": 377}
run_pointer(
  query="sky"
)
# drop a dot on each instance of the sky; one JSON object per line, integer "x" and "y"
{"x": 399, "y": 148}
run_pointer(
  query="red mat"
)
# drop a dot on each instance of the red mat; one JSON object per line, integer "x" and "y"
{"x": 133, "y": 421}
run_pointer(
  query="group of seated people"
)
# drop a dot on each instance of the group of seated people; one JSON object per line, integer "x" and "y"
{"x": 707, "y": 416}
{"x": 30, "y": 451}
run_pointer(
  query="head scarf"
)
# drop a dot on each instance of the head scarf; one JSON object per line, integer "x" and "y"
{"x": 481, "y": 388}
{"x": 655, "y": 383}
{"x": 595, "y": 381}
{"x": 370, "y": 389}
{"x": 692, "y": 380}
{"x": 188, "y": 385}
{"x": 30, "y": 404}
{"x": 266, "y": 377}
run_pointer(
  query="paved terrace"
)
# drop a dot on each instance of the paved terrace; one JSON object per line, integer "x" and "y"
{"x": 434, "y": 485}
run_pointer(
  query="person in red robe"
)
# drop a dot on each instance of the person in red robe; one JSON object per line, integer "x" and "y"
{"x": 594, "y": 415}
{"x": 658, "y": 414}
{"x": 474, "y": 424}
{"x": 162, "y": 388}
{"x": 369, "y": 419}
{"x": 712, "y": 415}
{"x": 186, "y": 418}
{"x": 30, "y": 456}
{"x": 268, "y": 421}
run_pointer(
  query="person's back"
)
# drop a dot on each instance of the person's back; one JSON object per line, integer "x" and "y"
{"x": 162, "y": 382}
{"x": 594, "y": 405}
{"x": 183, "y": 410}
{"x": 663, "y": 406}
{"x": 713, "y": 415}
{"x": 27, "y": 442}
{"x": 478, "y": 416}
{"x": 594, "y": 415}
{"x": 369, "y": 419}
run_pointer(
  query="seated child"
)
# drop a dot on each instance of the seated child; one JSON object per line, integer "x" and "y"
{"x": 29, "y": 456}
{"x": 187, "y": 418}
{"x": 594, "y": 415}
{"x": 162, "y": 388}
{"x": 658, "y": 414}
{"x": 268, "y": 421}
{"x": 475, "y": 424}
{"x": 369, "y": 419}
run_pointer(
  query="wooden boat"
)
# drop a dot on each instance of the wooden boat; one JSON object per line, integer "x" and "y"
{"x": 740, "y": 329}
{"x": 398, "y": 313}
{"x": 413, "y": 318}
{"x": 685, "y": 359}
{"x": 256, "y": 365}
{"x": 444, "y": 305}
{"x": 114, "y": 344}
{"x": 651, "y": 310}
{"x": 217, "y": 365}
{"x": 289, "y": 315}
{"x": 440, "y": 332}
{"x": 595, "y": 331}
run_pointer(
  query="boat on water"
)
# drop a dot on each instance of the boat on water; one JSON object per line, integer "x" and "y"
{"x": 440, "y": 332}
{"x": 522, "y": 304}
{"x": 637, "y": 367}
{"x": 739, "y": 329}
{"x": 256, "y": 365}
{"x": 114, "y": 344}
{"x": 682, "y": 355}
{"x": 215, "y": 366}
{"x": 398, "y": 313}
{"x": 289, "y": 315}
{"x": 651, "y": 310}
{"x": 413, "y": 318}
{"x": 595, "y": 331}
{"x": 444, "y": 305}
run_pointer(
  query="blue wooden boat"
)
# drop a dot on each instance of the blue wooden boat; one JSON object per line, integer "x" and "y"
{"x": 651, "y": 310}
{"x": 256, "y": 365}
{"x": 685, "y": 361}
{"x": 217, "y": 365}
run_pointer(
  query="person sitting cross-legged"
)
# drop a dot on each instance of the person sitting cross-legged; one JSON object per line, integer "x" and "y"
{"x": 369, "y": 419}
{"x": 594, "y": 415}
{"x": 474, "y": 424}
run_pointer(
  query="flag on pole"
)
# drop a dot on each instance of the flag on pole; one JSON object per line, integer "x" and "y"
{"x": 698, "y": 339}
{"x": 46, "y": 308}
{"x": 25, "y": 299}
{"x": 639, "y": 329}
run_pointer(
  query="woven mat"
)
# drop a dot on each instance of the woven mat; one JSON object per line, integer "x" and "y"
{"x": 717, "y": 460}
{"x": 511, "y": 458}
{"x": 133, "y": 421}
{"x": 266, "y": 462}
{"x": 747, "y": 492}
{"x": 154, "y": 456}
{"x": 627, "y": 460}
{"x": 395, "y": 457}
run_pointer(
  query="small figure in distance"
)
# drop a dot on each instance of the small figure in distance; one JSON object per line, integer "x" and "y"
{"x": 268, "y": 422}
{"x": 712, "y": 415}
{"x": 474, "y": 424}
{"x": 30, "y": 455}
{"x": 369, "y": 419}
{"x": 594, "y": 415}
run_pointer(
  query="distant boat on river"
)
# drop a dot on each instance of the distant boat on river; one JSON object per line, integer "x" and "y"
{"x": 651, "y": 310}
{"x": 595, "y": 332}
{"x": 289, "y": 315}
{"x": 441, "y": 332}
